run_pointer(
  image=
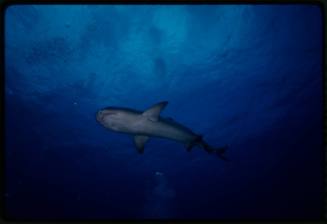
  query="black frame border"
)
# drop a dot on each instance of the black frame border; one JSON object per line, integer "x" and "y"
{"x": 320, "y": 3}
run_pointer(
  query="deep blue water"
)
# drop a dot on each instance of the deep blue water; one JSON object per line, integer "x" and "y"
{"x": 245, "y": 75}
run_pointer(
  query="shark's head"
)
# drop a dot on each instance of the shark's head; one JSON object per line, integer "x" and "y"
{"x": 115, "y": 118}
{"x": 107, "y": 117}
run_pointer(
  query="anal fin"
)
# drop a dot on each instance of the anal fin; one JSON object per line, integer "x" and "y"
{"x": 193, "y": 143}
{"x": 189, "y": 147}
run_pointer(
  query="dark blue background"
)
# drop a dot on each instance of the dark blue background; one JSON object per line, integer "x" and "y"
{"x": 245, "y": 75}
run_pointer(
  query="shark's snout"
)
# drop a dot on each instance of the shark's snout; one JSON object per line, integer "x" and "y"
{"x": 105, "y": 113}
{"x": 99, "y": 115}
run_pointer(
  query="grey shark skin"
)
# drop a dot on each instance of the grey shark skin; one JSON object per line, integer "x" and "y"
{"x": 150, "y": 124}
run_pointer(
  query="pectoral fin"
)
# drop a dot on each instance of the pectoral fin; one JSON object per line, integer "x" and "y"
{"x": 154, "y": 112}
{"x": 140, "y": 141}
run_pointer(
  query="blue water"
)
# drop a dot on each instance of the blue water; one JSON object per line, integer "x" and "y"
{"x": 245, "y": 75}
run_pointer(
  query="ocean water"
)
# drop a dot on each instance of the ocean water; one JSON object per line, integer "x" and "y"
{"x": 249, "y": 76}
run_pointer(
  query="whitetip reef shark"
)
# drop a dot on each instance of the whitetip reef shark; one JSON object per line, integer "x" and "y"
{"x": 149, "y": 123}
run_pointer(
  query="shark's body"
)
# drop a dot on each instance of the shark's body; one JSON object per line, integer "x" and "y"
{"x": 149, "y": 124}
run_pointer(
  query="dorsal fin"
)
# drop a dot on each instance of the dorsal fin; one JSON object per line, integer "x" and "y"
{"x": 153, "y": 112}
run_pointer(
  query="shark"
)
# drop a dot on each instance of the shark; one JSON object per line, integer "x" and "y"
{"x": 145, "y": 124}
